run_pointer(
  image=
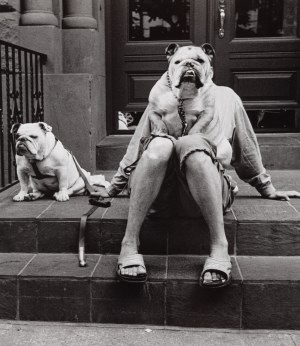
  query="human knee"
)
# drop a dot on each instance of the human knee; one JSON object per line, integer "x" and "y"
{"x": 159, "y": 149}
{"x": 183, "y": 143}
{"x": 198, "y": 160}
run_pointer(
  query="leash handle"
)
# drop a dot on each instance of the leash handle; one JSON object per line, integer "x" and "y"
{"x": 100, "y": 202}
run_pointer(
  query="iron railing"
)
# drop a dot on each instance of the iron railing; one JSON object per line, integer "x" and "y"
{"x": 21, "y": 99}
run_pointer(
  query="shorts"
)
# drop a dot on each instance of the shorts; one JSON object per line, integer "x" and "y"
{"x": 174, "y": 198}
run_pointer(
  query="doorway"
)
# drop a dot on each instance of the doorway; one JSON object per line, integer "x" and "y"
{"x": 257, "y": 45}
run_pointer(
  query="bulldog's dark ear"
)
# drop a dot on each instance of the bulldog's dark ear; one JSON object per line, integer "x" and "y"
{"x": 170, "y": 50}
{"x": 208, "y": 50}
{"x": 14, "y": 129}
{"x": 45, "y": 127}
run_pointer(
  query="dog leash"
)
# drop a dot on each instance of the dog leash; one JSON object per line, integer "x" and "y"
{"x": 181, "y": 113}
{"x": 100, "y": 202}
{"x": 180, "y": 108}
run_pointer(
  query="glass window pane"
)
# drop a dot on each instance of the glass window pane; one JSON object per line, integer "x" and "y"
{"x": 128, "y": 120}
{"x": 266, "y": 18}
{"x": 275, "y": 120}
{"x": 151, "y": 20}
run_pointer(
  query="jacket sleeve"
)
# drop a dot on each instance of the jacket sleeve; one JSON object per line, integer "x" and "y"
{"x": 246, "y": 157}
{"x": 120, "y": 179}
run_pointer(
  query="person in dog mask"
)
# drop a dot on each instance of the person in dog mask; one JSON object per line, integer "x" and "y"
{"x": 190, "y": 132}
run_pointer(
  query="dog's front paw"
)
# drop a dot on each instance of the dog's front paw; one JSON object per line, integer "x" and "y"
{"x": 33, "y": 196}
{"x": 61, "y": 196}
{"x": 19, "y": 197}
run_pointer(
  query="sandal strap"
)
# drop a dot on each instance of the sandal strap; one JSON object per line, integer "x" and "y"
{"x": 132, "y": 260}
{"x": 214, "y": 264}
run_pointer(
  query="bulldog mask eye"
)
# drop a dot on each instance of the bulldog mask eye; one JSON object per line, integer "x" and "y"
{"x": 33, "y": 137}
{"x": 177, "y": 62}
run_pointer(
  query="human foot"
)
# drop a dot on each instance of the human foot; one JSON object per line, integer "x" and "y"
{"x": 131, "y": 268}
{"x": 216, "y": 272}
{"x": 131, "y": 265}
{"x": 219, "y": 252}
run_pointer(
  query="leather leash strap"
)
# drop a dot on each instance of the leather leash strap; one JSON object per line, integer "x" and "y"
{"x": 86, "y": 182}
{"x": 81, "y": 242}
{"x": 180, "y": 108}
{"x": 83, "y": 220}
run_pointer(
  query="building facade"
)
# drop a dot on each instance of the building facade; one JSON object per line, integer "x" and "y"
{"x": 103, "y": 57}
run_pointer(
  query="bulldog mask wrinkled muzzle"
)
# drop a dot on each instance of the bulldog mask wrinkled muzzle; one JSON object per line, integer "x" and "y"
{"x": 190, "y": 75}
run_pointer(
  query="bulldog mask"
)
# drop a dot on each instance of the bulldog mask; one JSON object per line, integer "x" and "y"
{"x": 182, "y": 102}
{"x": 188, "y": 80}
{"x": 189, "y": 68}
{"x": 45, "y": 166}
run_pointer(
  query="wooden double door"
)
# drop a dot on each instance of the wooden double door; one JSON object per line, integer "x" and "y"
{"x": 257, "y": 44}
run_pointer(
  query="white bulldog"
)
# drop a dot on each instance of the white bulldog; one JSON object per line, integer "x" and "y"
{"x": 45, "y": 166}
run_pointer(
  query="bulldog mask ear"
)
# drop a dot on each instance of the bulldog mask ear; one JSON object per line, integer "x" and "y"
{"x": 170, "y": 50}
{"x": 208, "y": 50}
{"x": 45, "y": 127}
{"x": 14, "y": 129}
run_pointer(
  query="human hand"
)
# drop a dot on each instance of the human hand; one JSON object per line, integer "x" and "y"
{"x": 157, "y": 124}
{"x": 159, "y": 129}
{"x": 100, "y": 191}
{"x": 284, "y": 195}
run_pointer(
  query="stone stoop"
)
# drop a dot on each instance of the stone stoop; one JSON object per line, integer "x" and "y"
{"x": 278, "y": 151}
{"x": 40, "y": 278}
{"x": 51, "y": 287}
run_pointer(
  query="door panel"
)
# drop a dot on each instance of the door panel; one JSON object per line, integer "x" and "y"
{"x": 136, "y": 57}
{"x": 259, "y": 55}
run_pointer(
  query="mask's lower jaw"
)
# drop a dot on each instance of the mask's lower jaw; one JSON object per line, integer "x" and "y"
{"x": 190, "y": 77}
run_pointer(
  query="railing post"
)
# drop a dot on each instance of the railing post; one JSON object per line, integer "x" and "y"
{"x": 21, "y": 98}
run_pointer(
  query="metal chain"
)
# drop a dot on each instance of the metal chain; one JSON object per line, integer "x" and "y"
{"x": 180, "y": 108}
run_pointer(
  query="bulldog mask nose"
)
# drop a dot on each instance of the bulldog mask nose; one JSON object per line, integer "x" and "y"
{"x": 189, "y": 64}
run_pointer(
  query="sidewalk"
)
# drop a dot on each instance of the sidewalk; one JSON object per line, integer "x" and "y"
{"x": 14, "y": 333}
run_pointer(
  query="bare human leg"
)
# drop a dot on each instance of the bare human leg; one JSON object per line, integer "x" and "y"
{"x": 147, "y": 181}
{"x": 204, "y": 183}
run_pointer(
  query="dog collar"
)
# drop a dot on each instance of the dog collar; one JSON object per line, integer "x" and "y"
{"x": 44, "y": 157}
{"x": 180, "y": 107}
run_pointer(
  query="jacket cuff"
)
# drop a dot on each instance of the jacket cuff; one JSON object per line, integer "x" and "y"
{"x": 267, "y": 190}
{"x": 113, "y": 190}
{"x": 263, "y": 184}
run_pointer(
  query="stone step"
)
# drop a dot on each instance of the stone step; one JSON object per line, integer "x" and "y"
{"x": 279, "y": 151}
{"x": 254, "y": 226}
{"x": 52, "y": 287}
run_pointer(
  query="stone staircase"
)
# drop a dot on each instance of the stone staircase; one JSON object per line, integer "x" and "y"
{"x": 40, "y": 278}
{"x": 278, "y": 150}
